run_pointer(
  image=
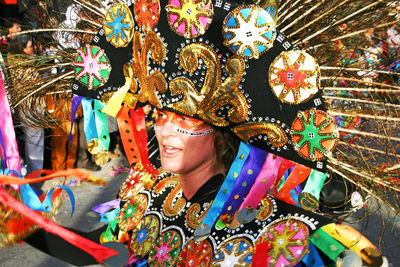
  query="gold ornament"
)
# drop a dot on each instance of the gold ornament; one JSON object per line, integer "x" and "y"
{"x": 214, "y": 94}
{"x": 276, "y": 134}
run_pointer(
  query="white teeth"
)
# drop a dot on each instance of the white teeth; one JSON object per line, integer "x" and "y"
{"x": 170, "y": 149}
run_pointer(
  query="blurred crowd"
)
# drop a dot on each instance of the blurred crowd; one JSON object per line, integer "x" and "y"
{"x": 42, "y": 147}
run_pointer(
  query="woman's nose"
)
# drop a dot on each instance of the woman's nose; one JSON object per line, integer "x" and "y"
{"x": 168, "y": 129}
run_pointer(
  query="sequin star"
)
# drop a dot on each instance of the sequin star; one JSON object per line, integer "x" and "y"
{"x": 288, "y": 241}
{"x": 118, "y": 25}
{"x": 293, "y": 77}
{"x": 191, "y": 18}
{"x": 92, "y": 67}
{"x": 131, "y": 210}
{"x": 147, "y": 13}
{"x": 237, "y": 251}
{"x": 249, "y": 31}
{"x": 314, "y": 131}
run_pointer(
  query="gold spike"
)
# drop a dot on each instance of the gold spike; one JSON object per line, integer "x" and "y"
{"x": 361, "y": 101}
{"x": 92, "y": 22}
{"x": 352, "y": 169}
{"x": 337, "y": 22}
{"x": 91, "y": 7}
{"x": 52, "y": 30}
{"x": 291, "y": 14}
{"x": 354, "y": 33}
{"x": 364, "y": 30}
{"x": 357, "y": 69}
{"x": 370, "y": 134}
{"x": 362, "y": 115}
{"x": 65, "y": 75}
{"x": 370, "y": 149}
{"x": 302, "y": 16}
{"x": 283, "y": 14}
{"x": 363, "y": 188}
{"x": 359, "y": 81}
{"x": 377, "y": 90}
{"x": 318, "y": 18}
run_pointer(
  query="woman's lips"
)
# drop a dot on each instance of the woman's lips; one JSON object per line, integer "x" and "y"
{"x": 170, "y": 150}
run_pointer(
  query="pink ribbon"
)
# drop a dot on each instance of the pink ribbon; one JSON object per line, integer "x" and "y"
{"x": 7, "y": 127}
{"x": 265, "y": 179}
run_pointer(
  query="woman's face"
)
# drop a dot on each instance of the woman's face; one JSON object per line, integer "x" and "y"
{"x": 29, "y": 48}
{"x": 186, "y": 144}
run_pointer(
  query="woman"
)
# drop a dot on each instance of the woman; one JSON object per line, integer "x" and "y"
{"x": 21, "y": 50}
{"x": 199, "y": 209}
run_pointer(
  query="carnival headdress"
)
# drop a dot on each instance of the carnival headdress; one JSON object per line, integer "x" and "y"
{"x": 221, "y": 62}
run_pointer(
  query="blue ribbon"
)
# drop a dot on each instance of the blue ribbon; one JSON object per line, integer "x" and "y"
{"x": 109, "y": 216}
{"x": 31, "y": 199}
{"x": 3, "y": 149}
{"x": 313, "y": 259}
{"x": 223, "y": 193}
{"x": 76, "y": 101}
{"x": 246, "y": 179}
{"x": 89, "y": 123}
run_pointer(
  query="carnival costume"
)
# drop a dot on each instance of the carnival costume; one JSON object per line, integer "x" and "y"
{"x": 227, "y": 64}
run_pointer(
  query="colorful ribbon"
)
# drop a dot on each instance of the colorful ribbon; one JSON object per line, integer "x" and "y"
{"x": 101, "y": 126}
{"x": 309, "y": 197}
{"x": 99, "y": 252}
{"x": 327, "y": 244}
{"x": 296, "y": 177}
{"x": 223, "y": 193}
{"x": 32, "y": 200}
{"x": 7, "y": 126}
{"x": 89, "y": 123}
{"x": 139, "y": 131}
{"x": 127, "y": 136}
{"x": 114, "y": 103}
{"x": 351, "y": 239}
{"x": 264, "y": 181}
{"x": 243, "y": 184}
{"x": 106, "y": 206}
{"x": 313, "y": 259}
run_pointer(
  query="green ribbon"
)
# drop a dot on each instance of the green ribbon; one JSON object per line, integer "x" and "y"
{"x": 327, "y": 244}
{"x": 101, "y": 126}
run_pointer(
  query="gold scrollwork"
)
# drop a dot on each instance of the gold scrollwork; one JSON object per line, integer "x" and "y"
{"x": 276, "y": 134}
{"x": 214, "y": 94}
{"x": 139, "y": 72}
{"x": 193, "y": 218}
{"x": 171, "y": 208}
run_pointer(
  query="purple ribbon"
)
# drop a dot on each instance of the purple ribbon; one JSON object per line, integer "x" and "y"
{"x": 104, "y": 207}
{"x": 246, "y": 179}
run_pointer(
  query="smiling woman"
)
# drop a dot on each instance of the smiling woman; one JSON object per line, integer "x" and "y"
{"x": 188, "y": 148}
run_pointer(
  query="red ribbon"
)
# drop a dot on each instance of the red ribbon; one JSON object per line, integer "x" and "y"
{"x": 139, "y": 131}
{"x": 99, "y": 252}
{"x": 8, "y": 180}
{"x": 260, "y": 255}
{"x": 127, "y": 136}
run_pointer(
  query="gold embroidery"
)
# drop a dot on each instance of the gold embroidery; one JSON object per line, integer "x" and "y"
{"x": 308, "y": 201}
{"x": 138, "y": 70}
{"x": 214, "y": 94}
{"x": 171, "y": 208}
{"x": 193, "y": 218}
{"x": 265, "y": 211}
{"x": 276, "y": 134}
